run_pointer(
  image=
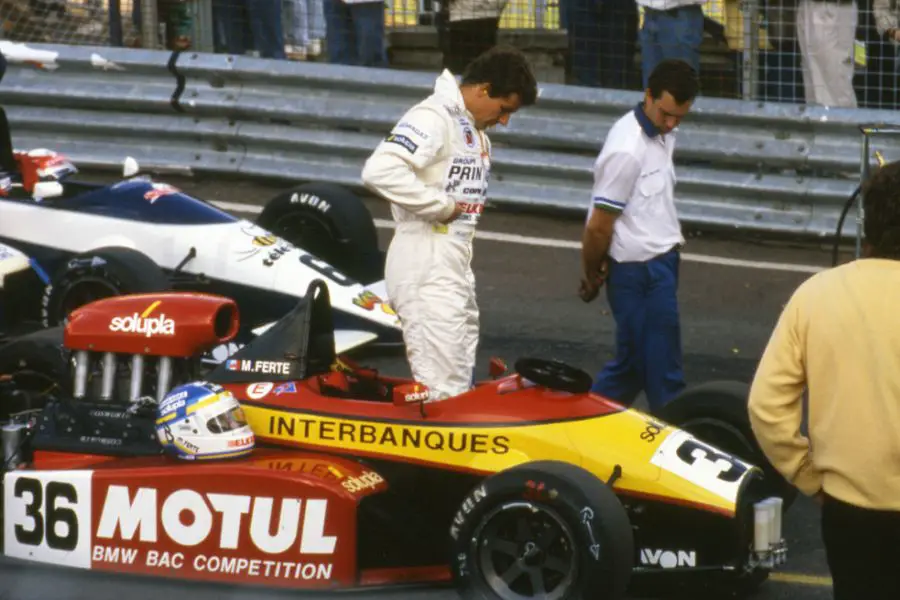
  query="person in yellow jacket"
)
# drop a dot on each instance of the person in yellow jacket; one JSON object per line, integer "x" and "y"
{"x": 837, "y": 342}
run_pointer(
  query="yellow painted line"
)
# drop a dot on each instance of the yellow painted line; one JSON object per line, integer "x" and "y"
{"x": 802, "y": 579}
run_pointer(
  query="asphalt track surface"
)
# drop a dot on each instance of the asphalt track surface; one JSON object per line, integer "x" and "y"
{"x": 731, "y": 293}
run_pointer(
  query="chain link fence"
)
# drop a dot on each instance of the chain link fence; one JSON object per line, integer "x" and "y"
{"x": 836, "y": 53}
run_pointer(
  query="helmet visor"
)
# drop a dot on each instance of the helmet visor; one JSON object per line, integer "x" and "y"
{"x": 231, "y": 419}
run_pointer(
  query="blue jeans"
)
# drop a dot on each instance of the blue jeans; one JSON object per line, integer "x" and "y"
{"x": 242, "y": 24}
{"x": 675, "y": 33}
{"x": 644, "y": 303}
{"x": 355, "y": 33}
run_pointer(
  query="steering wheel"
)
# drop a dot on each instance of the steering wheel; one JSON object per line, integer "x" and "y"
{"x": 554, "y": 374}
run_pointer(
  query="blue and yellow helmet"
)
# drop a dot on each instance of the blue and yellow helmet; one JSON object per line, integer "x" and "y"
{"x": 203, "y": 421}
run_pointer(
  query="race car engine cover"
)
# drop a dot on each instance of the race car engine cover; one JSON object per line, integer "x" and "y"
{"x": 178, "y": 324}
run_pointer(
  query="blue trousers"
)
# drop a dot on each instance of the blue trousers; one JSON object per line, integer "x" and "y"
{"x": 644, "y": 303}
{"x": 675, "y": 33}
{"x": 354, "y": 33}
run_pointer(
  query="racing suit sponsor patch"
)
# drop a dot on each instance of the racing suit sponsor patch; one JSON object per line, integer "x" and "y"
{"x": 410, "y": 127}
{"x": 402, "y": 140}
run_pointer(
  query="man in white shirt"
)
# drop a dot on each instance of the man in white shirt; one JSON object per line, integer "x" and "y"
{"x": 632, "y": 240}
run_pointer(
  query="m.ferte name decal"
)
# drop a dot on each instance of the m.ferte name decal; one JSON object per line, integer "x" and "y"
{"x": 272, "y": 367}
{"x": 214, "y": 535}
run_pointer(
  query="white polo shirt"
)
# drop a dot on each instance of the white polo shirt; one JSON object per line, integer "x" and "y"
{"x": 634, "y": 175}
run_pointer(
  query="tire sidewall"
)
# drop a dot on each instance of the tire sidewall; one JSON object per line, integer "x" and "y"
{"x": 125, "y": 270}
{"x": 355, "y": 250}
{"x": 566, "y": 500}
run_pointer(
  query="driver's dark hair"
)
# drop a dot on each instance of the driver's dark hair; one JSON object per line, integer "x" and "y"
{"x": 676, "y": 77}
{"x": 507, "y": 70}
{"x": 881, "y": 204}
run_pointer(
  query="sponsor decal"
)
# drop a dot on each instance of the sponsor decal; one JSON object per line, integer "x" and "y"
{"x": 285, "y": 388}
{"x": 668, "y": 559}
{"x": 172, "y": 403}
{"x": 274, "y": 367}
{"x": 159, "y": 189}
{"x": 385, "y": 436}
{"x": 213, "y": 535}
{"x": 143, "y": 323}
{"x": 368, "y": 480}
{"x": 403, "y": 141}
{"x": 255, "y": 391}
{"x": 322, "y": 470}
{"x": 703, "y": 465}
{"x": 418, "y": 393}
{"x": 312, "y": 201}
{"x": 652, "y": 430}
{"x": 263, "y": 243}
{"x": 469, "y": 136}
{"x": 410, "y": 127}
{"x": 369, "y": 300}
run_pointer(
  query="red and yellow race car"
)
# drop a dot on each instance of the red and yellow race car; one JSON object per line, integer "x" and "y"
{"x": 528, "y": 484}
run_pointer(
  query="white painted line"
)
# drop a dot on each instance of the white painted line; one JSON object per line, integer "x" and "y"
{"x": 512, "y": 238}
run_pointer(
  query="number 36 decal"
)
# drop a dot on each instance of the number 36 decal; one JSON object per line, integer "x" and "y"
{"x": 45, "y": 516}
{"x": 684, "y": 455}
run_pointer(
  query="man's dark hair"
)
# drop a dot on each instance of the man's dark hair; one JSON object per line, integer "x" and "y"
{"x": 506, "y": 70}
{"x": 676, "y": 77}
{"x": 881, "y": 203}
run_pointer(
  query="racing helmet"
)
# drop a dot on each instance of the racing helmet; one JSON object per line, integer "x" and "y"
{"x": 203, "y": 421}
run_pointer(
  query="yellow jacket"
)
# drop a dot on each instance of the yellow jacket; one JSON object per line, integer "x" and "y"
{"x": 839, "y": 338}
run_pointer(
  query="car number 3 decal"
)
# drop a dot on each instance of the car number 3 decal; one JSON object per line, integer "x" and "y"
{"x": 684, "y": 455}
{"x": 46, "y": 515}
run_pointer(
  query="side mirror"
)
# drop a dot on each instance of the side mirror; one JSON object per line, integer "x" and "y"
{"x": 47, "y": 189}
{"x": 497, "y": 367}
{"x": 130, "y": 167}
{"x": 410, "y": 393}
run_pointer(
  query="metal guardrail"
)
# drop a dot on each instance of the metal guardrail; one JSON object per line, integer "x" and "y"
{"x": 751, "y": 166}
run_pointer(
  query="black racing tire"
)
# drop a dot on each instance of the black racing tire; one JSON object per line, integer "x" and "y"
{"x": 716, "y": 413}
{"x": 96, "y": 274}
{"x": 588, "y": 535}
{"x": 34, "y": 367}
{"x": 331, "y": 223}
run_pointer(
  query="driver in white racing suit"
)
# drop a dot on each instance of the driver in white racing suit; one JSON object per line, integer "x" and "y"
{"x": 434, "y": 168}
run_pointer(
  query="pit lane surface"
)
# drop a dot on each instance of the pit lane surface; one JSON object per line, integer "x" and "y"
{"x": 731, "y": 294}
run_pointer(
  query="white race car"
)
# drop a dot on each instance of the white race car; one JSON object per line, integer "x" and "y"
{"x": 88, "y": 240}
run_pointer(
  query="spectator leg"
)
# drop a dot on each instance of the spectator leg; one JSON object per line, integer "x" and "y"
{"x": 826, "y": 32}
{"x": 266, "y": 25}
{"x": 617, "y": 43}
{"x": 368, "y": 29}
{"x": 585, "y": 42}
{"x": 339, "y": 37}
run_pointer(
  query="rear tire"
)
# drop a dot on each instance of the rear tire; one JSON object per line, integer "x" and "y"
{"x": 331, "y": 223}
{"x": 543, "y": 523}
{"x": 97, "y": 274}
{"x": 38, "y": 368}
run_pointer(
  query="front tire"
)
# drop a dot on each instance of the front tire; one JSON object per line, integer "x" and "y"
{"x": 542, "y": 529}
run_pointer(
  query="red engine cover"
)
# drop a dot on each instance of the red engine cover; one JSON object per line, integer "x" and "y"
{"x": 179, "y": 324}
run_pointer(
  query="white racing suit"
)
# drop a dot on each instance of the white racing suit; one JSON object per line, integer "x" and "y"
{"x": 433, "y": 159}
